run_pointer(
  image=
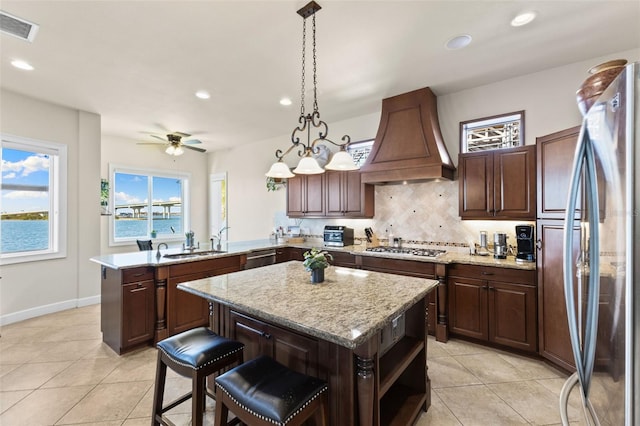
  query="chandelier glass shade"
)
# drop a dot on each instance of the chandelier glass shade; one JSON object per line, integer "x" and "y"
{"x": 174, "y": 150}
{"x": 311, "y": 122}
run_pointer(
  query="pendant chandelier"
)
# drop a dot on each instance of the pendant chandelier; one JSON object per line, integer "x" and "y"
{"x": 309, "y": 122}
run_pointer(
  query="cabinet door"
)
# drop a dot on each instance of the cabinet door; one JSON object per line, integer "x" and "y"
{"x": 185, "y": 310}
{"x": 512, "y": 315}
{"x": 138, "y": 311}
{"x": 295, "y": 199}
{"x": 552, "y": 312}
{"x": 514, "y": 182}
{"x": 476, "y": 185}
{"x": 252, "y": 333}
{"x": 335, "y": 190}
{"x": 468, "y": 307}
{"x": 554, "y": 155}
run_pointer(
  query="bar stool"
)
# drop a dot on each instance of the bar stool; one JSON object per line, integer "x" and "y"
{"x": 195, "y": 353}
{"x": 263, "y": 392}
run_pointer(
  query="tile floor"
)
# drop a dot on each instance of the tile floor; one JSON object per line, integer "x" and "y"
{"x": 55, "y": 370}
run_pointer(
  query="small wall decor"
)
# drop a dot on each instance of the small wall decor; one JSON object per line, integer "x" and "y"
{"x": 104, "y": 197}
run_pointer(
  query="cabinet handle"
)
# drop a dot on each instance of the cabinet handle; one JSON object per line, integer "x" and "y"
{"x": 485, "y": 287}
{"x": 138, "y": 275}
{"x": 265, "y": 335}
{"x": 135, "y": 290}
{"x": 486, "y": 273}
{"x": 491, "y": 288}
{"x": 539, "y": 244}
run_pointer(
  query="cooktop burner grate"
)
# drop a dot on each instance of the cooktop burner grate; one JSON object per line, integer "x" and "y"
{"x": 410, "y": 251}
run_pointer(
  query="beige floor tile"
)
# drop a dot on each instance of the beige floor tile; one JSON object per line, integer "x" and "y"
{"x": 132, "y": 370}
{"x": 142, "y": 421}
{"x": 31, "y": 376}
{"x": 531, "y": 369}
{"x": 461, "y": 347}
{"x": 478, "y": 406}
{"x": 43, "y": 406}
{"x": 16, "y": 333}
{"x": 101, "y": 351}
{"x": 174, "y": 388}
{"x": 489, "y": 367}
{"x": 77, "y": 332}
{"x": 107, "y": 402}
{"x": 9, "y": 398}
{"x": 438, "y": 414}
{"x": 66, "y": 351}
{"x": 19, "y": 353}
{"x": 447, "y": 372}
{"x": 83, "y": 372}
{"x": 7, "y": 368}
{"x": 435, "y": 349}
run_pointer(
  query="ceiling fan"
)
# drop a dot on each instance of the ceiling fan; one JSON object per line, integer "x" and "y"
{"x": 175, "y": 144}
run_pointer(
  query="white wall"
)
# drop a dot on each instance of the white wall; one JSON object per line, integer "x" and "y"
{"x": 34, "y": 288}
{"x": 128, "y": 153}
{"x": 548, "y": 98}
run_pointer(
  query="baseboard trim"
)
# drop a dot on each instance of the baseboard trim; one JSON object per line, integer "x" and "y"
{"x": 47, "y": 309}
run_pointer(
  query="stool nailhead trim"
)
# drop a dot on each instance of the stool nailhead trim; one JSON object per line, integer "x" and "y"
{"x": 203, "y": 365}
{"x": 270, "y": 420}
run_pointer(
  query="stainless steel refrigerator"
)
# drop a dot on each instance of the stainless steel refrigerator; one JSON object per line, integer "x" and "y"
{"x": 603, "y": 296}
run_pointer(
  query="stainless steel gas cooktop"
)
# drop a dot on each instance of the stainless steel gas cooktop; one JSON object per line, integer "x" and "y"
{"x": 409, "y": 251}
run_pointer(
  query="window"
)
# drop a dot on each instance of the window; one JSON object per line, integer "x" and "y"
{"x": 145, "y": 201}
{"x": 34, "y": 182}
{"x": 496, "y": 132}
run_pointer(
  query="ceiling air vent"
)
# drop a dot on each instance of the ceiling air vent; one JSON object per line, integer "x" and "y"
{"x": 17, "y": 27}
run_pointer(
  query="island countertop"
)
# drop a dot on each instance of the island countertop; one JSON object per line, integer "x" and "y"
{"x": 349, "y": 307}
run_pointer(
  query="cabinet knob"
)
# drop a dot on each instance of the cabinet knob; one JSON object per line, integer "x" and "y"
{"x": 539, "y": 244}
{"x": 266, "y": 335}
{"x": 486, "y": 273}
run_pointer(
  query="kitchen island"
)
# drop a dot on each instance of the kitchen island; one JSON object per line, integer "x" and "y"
{"x": 364, "y": 332}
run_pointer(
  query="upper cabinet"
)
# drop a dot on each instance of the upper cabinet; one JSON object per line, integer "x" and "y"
{"x": 498, "y": 184}
{"x": 331, "y": 194}
{"x": 555, "y": 153}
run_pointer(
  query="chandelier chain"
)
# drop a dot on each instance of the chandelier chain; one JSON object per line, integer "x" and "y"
{"x": 304, "y": 44}
{"x": 315, "y": 80}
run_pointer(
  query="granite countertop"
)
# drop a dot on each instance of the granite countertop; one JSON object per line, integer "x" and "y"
{"x": 148, "y": 258}
{"x": 349, "y": 307}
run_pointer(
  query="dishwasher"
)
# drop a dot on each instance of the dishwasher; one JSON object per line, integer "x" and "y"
{"x": 259, "y": 258}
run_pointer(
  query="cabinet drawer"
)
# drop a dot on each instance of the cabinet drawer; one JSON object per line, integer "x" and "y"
{"x": 398, "y": 266}
{"x": 493, "y": 273}
{"x": 133, "y": 275}
{"x": 209, "y": 265}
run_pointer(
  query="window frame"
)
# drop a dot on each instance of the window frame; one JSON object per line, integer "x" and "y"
{"x": 469, "y": 126}
{"x": 185, "y": 177}
{"x": 58, "y": 189}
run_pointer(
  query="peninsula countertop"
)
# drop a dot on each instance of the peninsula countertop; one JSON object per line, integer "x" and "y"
{"x": 349, "y": 307}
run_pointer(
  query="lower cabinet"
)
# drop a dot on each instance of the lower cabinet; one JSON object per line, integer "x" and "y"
{"x": 127, "y": 307}
{"x": 287, "y": 347}
{"x": 497, "y": 305}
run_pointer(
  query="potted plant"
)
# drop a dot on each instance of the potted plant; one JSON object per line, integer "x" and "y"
{"x": 315, "y": 261}
{"x": 154, "y": 233}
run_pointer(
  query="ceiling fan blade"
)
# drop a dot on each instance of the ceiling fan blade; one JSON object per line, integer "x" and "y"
{"x": 192, "y": 142}
{"x": 181, "y": 134}
{"x": 159, "y": 137}
{"x": 194, "y": 148}
{"x": 152, "y": 143}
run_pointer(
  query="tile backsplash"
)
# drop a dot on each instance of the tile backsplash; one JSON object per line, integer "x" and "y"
{"x": 424, "y": 213}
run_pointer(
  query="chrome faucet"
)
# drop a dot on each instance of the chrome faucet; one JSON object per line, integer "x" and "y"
{"x": 158, "y": 255}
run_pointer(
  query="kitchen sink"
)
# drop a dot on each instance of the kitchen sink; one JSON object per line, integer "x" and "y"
{"x": 193, "y": 254}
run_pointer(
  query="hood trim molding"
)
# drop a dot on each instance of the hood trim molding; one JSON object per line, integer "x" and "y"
{"x": 408, "y": 146}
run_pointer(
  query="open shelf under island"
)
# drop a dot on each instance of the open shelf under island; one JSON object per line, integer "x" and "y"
{"x": 362, "y": 331}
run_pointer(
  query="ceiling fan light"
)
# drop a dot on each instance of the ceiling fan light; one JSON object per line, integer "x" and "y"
{"x": 308, "y": 166}
{"x": 170, "y": 150}
{"x": 341, "y": 160}
{"x": 178, "y": 151}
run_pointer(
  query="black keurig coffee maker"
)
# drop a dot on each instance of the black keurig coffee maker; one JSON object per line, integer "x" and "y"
{"x": 526, "y": 244}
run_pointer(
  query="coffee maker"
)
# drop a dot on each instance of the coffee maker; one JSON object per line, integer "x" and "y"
{"x": 500, "y": 245}
{"x": 526, "y": 244}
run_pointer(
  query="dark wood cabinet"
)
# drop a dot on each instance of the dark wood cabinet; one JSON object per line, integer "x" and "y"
{"x": 127, "y": 310}
{"x": 498, "y": 184}
{"x": 344, "y": 259}
{"x": 184, "y": 310}
{"x": 554, "y": 156}
{"x": 306, "y": 196}
{"x": 497, "y": 305}
{"x": 285, "y": 346}
{"x": 347, "y": 196}
{"x": 554, "y": 328}
{"x": 330, "y": 194}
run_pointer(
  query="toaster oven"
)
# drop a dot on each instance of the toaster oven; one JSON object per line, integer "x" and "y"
{"x": 338, "y": 236}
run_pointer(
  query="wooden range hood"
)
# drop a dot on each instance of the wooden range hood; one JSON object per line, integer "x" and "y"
{"x": 408, "y": 146}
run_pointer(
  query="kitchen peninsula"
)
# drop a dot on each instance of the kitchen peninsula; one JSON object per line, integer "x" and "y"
{"x": 362, "y": 331}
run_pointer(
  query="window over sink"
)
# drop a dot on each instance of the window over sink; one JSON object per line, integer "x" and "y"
{"x": 495, "y": 132}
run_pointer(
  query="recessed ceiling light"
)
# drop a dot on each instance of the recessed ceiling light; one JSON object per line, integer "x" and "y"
{"x": 458, "y": 42}
{"x": 23, "y": 65}
{"x": 203, "y": 94}
{"x": 523, "y": 19}
{"x": 285, "y": 101}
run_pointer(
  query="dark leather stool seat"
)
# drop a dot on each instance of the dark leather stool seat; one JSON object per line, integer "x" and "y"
{"x": 195, "y": 353}
{"x": 265, "y": 392}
